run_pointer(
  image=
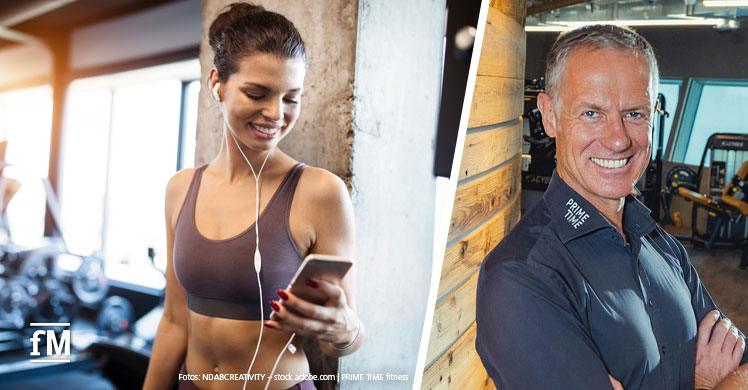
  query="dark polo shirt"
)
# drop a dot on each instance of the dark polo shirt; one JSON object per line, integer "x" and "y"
{"x": 564, "y": 301}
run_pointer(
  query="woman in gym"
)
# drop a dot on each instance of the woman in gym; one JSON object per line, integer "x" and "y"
{"x": 252, "y": 195}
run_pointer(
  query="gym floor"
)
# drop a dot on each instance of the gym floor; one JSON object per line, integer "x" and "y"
{"x": 728, "y": 284}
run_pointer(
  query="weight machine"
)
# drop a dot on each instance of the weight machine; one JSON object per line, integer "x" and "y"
{"x": 725, "y": 200}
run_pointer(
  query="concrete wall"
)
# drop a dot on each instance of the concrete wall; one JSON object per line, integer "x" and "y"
{"x": 322, "y": 136}
{"x": 376, "y": 130}
{"x": 398, "y": 62}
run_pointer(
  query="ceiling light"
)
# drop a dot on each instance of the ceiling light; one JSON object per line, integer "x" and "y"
{"x": 564, "y": 26}
{"x": 725, "y": 3}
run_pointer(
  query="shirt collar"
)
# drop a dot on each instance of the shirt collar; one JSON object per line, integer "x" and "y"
{"x": 575, "y": 216}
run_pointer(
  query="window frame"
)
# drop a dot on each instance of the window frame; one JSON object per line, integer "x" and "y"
{"x": 691, "y": 99}
{"x": 180, "y": 144}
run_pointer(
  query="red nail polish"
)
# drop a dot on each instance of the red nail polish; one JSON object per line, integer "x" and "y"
{"x": 311, "y": 283}
{"x": 282, "y": 294}
{"x": 269, "y": 326}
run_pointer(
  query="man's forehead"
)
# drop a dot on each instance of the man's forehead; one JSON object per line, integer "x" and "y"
{"x": 590, "y": 69}
{"x": 606, "y": 56}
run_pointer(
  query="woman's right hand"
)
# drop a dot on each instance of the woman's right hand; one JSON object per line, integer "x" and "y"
{"x": 334, "y": 322}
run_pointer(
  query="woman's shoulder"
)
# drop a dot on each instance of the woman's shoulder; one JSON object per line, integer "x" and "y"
{"x": 181, "y": 180}
{"x": 320, "y": 184}
{"x": 177, "y": 187}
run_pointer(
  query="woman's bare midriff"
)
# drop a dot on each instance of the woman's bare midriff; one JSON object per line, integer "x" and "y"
{"x": 225, "y": 346}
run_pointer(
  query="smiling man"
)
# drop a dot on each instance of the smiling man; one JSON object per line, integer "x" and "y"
{"x": 587, "y": 292}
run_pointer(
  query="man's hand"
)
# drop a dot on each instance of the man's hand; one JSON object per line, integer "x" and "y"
{"x": 738, "y": 380}
{"x": 718, "y": 350}
{"x": 616, "y": 384}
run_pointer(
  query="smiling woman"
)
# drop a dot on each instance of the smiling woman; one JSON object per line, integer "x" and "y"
{"x": 215, "y": 320}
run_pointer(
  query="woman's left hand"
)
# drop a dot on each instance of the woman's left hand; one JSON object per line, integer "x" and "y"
{"x": 334, "y": 322}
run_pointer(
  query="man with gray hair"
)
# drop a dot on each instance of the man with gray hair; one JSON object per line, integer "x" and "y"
{"x": 587, "y": 292}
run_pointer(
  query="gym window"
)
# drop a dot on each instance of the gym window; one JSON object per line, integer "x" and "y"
{"x": 25, "y": 120}
{"x": 125, "y": 135}
{"x": 710, "y": 106}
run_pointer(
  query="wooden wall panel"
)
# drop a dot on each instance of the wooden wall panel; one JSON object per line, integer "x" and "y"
{"x": 486, "y": 149}
{"x": 478, "y": 199}
{"x": 458, "y": 368}
{"x": 512, "y": 8}
{"x": 487, "y": 200}
{"x": 452, "y": 317}
{"x": 495, "y": 100}
{"x": 502, "y": 36}
{"x": 463, "y": 258}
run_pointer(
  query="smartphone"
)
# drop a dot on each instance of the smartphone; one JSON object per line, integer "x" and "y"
{"x": 325, "y": 267}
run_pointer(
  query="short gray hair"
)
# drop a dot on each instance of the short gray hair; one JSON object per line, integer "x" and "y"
{"x": 598, "y": 36}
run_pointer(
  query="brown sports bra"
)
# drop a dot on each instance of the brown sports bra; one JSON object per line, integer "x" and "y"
{"x": 218, "y": 275}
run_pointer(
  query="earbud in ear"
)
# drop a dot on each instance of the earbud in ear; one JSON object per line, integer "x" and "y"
{"x": 215, "y": 92}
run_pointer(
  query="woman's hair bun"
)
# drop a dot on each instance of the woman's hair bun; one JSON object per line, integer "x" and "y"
{"x": 243, "y": 29}
{"x": 233, "y": 13}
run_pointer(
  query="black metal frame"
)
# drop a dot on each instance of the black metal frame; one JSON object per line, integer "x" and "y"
{"x": 721, "y": 141}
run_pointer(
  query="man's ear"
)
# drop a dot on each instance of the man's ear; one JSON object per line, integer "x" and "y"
{"x": 547, "y": 111}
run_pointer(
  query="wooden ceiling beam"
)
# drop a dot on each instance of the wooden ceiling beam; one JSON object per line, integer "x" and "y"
{"x": 30, "y": 10}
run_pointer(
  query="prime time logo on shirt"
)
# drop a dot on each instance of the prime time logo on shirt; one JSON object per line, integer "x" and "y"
{"x": 575, "y": 215}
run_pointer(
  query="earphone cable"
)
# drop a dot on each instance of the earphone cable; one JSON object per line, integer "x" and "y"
{"x": 257, "y": 258}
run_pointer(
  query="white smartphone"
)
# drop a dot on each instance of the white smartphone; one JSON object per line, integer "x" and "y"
{"x": 325, "y": 267}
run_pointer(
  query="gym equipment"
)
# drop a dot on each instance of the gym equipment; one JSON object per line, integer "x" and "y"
{"x": 89, "y": 282}
{"x": 57, "y": 303}
{"x": 651, "y": 189}
{"x": 722, "y": 200}
{"x": 676, "y": 177}
{"x": 681, "y": 176}
{"x": 17, "y": 301}
{"x": 725, "y": 202}
{"x": 122, "y": 365}
{"x": 542, "y": 148}
{"x": 115, "y": 317}
{"x": 33, "y": 288}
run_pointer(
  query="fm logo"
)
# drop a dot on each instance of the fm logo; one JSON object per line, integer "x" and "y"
{"x": 58, "y": 351}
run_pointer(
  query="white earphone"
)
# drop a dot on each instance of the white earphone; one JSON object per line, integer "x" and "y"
{"x": 257, "y": 258}
{"x": 215, "y": 92}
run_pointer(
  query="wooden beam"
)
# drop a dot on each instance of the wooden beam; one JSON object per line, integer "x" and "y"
{"x": 502, "y": 35}
{"x": 60, "y": 59}
{"x": 496, "y": 100}
{"x": 458, "y": 368}
{"x": 452, "y": 317}
{"x": 479, "y": 199}
{"x": 486, "y": 149}
{"x": 463, "y": 257}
